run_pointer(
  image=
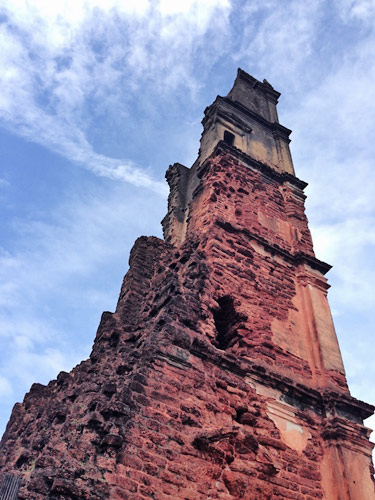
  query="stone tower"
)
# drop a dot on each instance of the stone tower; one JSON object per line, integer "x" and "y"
{"x": 219, "y": 374}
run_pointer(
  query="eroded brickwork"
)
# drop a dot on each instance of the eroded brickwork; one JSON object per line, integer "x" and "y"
{"x": 219, "y": 374}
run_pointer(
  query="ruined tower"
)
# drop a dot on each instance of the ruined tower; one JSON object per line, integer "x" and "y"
{"x": 219, "y": 374}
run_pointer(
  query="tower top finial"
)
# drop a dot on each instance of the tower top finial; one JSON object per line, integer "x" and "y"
{"x": 247, "y": 120}
{"x": 256, "y": 96}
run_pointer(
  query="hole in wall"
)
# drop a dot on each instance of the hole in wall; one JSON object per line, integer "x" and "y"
{"x": 123, "y": 369}
{"x": 226, "y": 320}
{"x": 239, "y": 412}
{"x": 60, "y": 418}
{"x": 228, "y": 138}
{"x": 114, "y": 339}
{"x": 24, "y": 459}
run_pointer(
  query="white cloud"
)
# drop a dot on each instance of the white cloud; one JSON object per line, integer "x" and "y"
{"x": 81, "y": 232}
{"x": 59, "y": 59}
{"x": 349, "y": 244}
{"x": 362, "y": 10}
{"x": 5, "y": 387}
{"x": 201, "y": 9}
{"x": 41, "y": 366}
{"x": 278, "y": 39}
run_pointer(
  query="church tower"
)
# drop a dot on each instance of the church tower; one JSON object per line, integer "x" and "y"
{"x": 219, "y": 375}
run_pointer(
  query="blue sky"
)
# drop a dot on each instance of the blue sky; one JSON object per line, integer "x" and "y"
{"x": 98, "y": 97}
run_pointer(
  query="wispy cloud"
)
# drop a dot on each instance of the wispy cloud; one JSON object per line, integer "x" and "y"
{"x": 362, "y": 10}
{"x": 277, "y": 39}
{"x": 5, "y": 387}
{"x": 64, "y": 65}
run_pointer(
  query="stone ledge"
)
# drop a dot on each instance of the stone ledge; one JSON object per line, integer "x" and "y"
{"x": 297, "y": 258}
{"x": 267, "y": 170}
{"x": 319, "y": 401}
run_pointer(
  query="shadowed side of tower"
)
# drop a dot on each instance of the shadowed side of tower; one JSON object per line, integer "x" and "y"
{"x": 219, "y": 374}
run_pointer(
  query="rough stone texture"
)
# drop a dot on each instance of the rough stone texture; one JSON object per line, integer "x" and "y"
{"x": 219, "y": 374}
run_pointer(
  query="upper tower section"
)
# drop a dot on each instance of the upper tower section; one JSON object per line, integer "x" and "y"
{"x": 247, "y": 120}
